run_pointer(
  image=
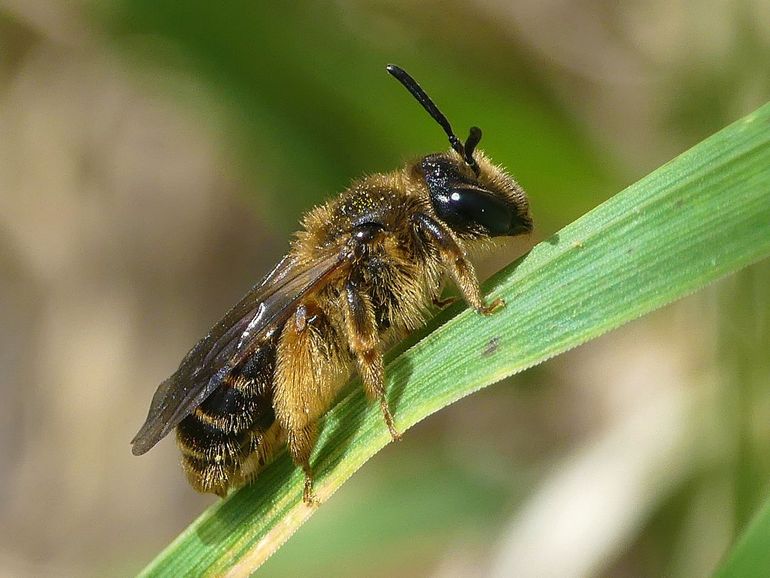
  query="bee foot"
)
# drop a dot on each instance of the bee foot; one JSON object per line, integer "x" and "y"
{"x": 310, "y": 499}
{"x": 493, "y": 307}
{"x": 389, "y": 420}
{"x": 394, "y": 433}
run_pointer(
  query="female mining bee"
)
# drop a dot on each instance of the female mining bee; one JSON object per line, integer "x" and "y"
{"x": 362, "y": 273}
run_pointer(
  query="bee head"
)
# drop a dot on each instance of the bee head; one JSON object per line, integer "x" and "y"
{"x": 487, "y": 204}
{"x": 470, "y": 194}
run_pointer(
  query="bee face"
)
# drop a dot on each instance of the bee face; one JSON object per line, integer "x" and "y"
{"x": 487, "y": 204}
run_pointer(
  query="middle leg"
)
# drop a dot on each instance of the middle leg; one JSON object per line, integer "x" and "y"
{"x": 364, "y": 342}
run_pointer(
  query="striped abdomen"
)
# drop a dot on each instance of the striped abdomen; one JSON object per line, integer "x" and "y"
{"x": 232, "y": 434}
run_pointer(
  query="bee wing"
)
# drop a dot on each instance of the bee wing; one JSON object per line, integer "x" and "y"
{"x": 242, "y": 330}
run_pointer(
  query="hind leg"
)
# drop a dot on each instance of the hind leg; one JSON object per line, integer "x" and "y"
{"x": 306, "y": 379}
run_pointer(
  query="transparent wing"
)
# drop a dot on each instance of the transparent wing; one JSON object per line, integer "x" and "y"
{"x": 242, "y": 330}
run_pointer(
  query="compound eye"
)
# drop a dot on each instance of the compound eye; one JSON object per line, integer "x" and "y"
{"x": 469, "y": 207}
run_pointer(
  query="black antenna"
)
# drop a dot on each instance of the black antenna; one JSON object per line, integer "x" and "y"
{"x": 466, "y": 150}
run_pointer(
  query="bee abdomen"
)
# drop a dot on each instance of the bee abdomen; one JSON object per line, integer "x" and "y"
{"x": 229, "y": 428}
{"x": 210, "y": 456}
{"x": 232, "y": 409}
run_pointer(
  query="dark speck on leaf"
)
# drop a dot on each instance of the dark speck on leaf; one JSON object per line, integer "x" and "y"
{"x": 492, "y": 346}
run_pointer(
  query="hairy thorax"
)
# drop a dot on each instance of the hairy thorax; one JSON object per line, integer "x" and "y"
{"x": 396, "y": 267}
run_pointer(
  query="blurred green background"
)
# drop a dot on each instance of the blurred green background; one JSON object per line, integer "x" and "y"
{"x": 155, "y": 157}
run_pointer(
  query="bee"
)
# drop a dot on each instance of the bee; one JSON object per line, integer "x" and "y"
{"x": 363, "y": 272}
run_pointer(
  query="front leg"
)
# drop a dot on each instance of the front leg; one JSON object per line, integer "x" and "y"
{"x": 456, "y": 263}
{"x": 364, "y": 342}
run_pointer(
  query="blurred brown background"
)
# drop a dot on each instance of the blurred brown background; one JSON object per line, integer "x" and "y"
{"x": 155, "y": 157}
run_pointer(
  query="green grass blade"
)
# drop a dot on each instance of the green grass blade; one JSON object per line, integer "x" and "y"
{"x": 699, "y": 217}
{"x": 750, "y": 556}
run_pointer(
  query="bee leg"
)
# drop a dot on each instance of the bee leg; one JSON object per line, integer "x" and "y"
{"x": 363, "y": 341}
{"x": 441, "y": 303}
{"x": 456, "y": 263}
{"x": 306, "y": 368}
{"x": 301, "y": 442}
